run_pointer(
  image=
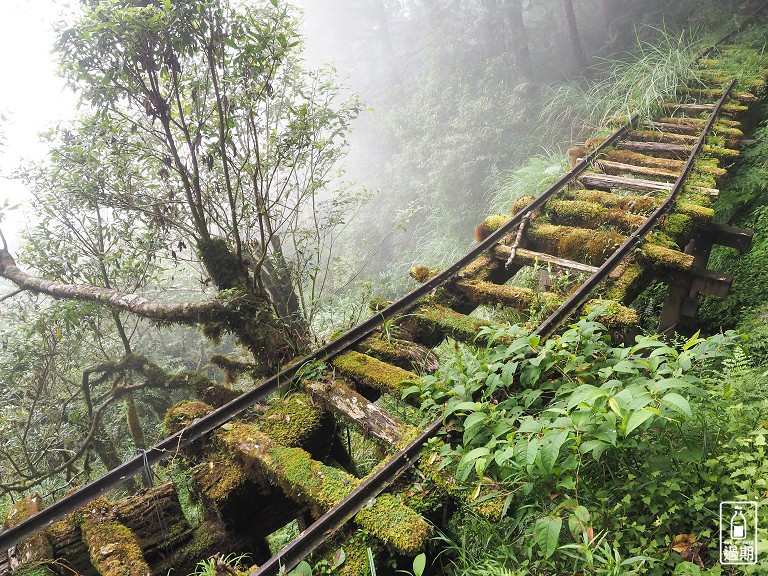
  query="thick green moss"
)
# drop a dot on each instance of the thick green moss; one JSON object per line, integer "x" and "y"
{"x": 292, "y": 421}
{"x": 628, "y": 282}
{"x": 422, "y": 273}
{"x": 445, "y": 480}
{"x": 520, "y": 203}
{"x": 613, "y": 314}
{"x": 113, "y": 548}
{"x": 36, "y": 548}
{"x": 445, "y": 321}
{"x": 679, "y": 227}
{"x": 388, "y": 511}
{"x": 309, "y": 481}
{"x": 626, "y": 203}
{"x": 720, "y": 152}
{"x": 591, "y": 215}
{"x": 662, "y": 258}
{"x": 580, "y": 244}
{"x": 374, "y": 373}
{"x": 184, "y": 413}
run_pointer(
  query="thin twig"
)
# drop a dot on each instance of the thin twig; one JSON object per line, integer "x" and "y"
{"x": 518, "y": 238}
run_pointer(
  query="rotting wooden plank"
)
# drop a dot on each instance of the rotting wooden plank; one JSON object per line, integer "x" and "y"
{"x": 663, "y": 137}
{"x": 403, "y": 353}
{"x": 610, "y": 182}
{"x": 703, "y": 108}
{"x": 529, "y": 257}
{"x": 675, "y": 128}
{"x": 335, "y": 396}
{"x": 673, "y": 151}
{"x": 619, "y": 168}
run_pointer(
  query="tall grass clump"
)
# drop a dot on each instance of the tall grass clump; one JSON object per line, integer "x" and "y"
{"x": 637, "y": 84}
{"x": 529, "y": 179}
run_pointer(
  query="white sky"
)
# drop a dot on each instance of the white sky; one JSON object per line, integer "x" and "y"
{"x": 32, "y": 96}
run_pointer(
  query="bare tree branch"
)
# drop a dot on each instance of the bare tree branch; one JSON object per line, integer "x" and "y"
{"x": 187, "y": 312}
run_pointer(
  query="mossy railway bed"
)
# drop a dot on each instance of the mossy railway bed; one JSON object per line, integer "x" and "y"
{"x": 636, "y": 207}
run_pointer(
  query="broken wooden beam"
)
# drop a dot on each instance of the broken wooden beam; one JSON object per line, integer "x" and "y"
{"x": 114, "y": 548}
{"x": 335, "y": 396}
{"x": 530, "y": 258}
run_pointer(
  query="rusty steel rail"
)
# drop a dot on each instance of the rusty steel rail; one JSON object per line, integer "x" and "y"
{"x": 205, "y": 425}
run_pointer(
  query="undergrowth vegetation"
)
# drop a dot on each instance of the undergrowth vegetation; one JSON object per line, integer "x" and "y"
{"x": 604, "y": 459}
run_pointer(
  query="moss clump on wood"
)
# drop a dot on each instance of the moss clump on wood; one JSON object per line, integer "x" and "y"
{"x": 679, "y": 227}
{"x": 292, "y": 421}
{"x": 657, "y": 136}
{"x": 435, "y": 319}
{"x": 490, "y": 225}
{"x": 720, "y": 152}
{"x": 403, "y": 353}
{"x": 36, "y": 548}
{"x": 378, "y": 303}
{"x": 628, "y": 281}
{"x": 422, "y": 273}
{"x": 387, "y": 511}
{"x": 308, "y": 481}
{"x": 627, "y": 203}
{"x": 113, "y": 548}
{"x": 661, "y": 258}
{"x": 183, "y": 413}
{"x": 580, "y": 244}
{"x": 612, "y": 314}
{"x": 591, "y": 215}
{"x": 446, "y": 482}
{"x": 700, "y": 215}
{"x": 630, "y": 157}
{"x": 374, "y": 373}
{"x": 520, "y": 203}
{"x": 219, "y": 480}
{"x": 709, "y": 166}
{"x": 517, "y": 297}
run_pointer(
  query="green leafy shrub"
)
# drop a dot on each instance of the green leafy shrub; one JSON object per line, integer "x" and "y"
{"x": 625, "y": 447}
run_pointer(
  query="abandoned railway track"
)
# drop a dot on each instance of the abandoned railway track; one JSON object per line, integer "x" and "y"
{"x": 634, "y": 208}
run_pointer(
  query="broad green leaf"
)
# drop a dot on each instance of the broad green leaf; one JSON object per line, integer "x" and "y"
{"x": 636, "y": 419}
{"x": 530, "y": 426}
{"x": 303, "y": 569}
{"x": 474, "y": 454}
{"x": 615, "y": 407}
{"x": 531, "y": 450}
{"x": 474, "y": 419}
{"x": 550, "y": 450}
{"x": 547, "y": 532}
{"x": 419, "y": 563}
{"x": 678, "y": 403}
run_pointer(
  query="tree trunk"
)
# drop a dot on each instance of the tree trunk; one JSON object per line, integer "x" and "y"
{"x": 517, "y": 38}
{"x": 573, "y": 34}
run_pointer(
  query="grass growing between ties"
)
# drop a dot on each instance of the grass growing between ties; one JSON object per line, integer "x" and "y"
{"x": 604, "y": 459}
